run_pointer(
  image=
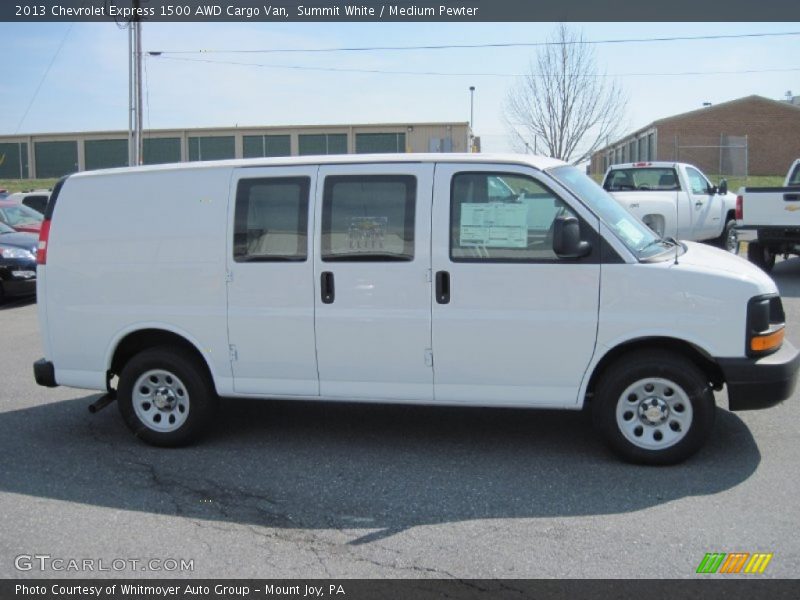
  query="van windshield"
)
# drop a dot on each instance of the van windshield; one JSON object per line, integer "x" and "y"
{"x": 642, "y": 241}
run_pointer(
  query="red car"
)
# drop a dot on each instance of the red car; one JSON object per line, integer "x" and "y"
{"x": 20, "y": 217}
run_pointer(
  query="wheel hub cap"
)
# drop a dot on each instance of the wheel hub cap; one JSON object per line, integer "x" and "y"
{"x": 653, "y": 411}
{"x": 164, "y": 399}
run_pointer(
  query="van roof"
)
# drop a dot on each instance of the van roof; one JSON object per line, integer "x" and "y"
{"x": 537, "y": 162}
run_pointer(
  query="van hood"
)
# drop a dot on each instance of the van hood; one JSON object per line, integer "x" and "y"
{"x": 703, "y": 257}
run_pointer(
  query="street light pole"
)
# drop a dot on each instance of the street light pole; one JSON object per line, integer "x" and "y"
{"x": 471, "y": 116}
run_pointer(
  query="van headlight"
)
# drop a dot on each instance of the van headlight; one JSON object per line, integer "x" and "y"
{"x": 765, "y": 325}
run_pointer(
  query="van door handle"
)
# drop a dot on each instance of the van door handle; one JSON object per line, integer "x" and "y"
{"x": 442, "y": 287}
{"x": 791, "y": 197}
{"x": 326, "y": 287}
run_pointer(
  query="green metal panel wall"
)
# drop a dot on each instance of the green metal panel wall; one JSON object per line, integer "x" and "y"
{"x": 105, "y": 154}
{"x": 212, "y": 147}
{"x": 325, "y": 143}
{"x": 256, "y": 146}
{"x": 380, "y": 142}
{"x": 162, "y": 150}
{"x": 55, "y": 159}
{"x": 14, "y": 160}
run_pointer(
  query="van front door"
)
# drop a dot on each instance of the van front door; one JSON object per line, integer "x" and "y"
{"x": 271, "y": 282}
{"x": 372, "y": 285}
{"x": 513, "y": 324}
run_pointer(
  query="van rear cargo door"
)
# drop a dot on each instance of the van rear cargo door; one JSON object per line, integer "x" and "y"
{"x": 271, "y": 282}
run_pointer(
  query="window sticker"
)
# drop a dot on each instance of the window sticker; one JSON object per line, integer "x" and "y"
{"x": 494, "y": 225}
{"x": 367, "y": 233}
{"x": 633, "y": 235}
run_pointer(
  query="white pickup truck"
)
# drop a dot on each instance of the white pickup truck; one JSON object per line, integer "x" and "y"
{"x": 774, "y": 214}
{"x": 676, "y": 200}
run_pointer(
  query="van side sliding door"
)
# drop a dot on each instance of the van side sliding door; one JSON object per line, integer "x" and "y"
{"x": 271, "y": 281}
{"x": 372, "y": 281}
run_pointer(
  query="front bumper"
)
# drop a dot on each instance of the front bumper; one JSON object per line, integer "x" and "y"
{"x": 755, "y": 383}
{"x": 19, "y": 287}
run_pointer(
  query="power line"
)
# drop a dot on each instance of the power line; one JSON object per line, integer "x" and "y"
{"x": 44, "y": 76}
{"x": 451, "y": 74}
{"x": 485, "y": 45}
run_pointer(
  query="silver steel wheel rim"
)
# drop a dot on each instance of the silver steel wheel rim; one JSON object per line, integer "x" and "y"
{"x": 160, "y": 400}
{"x": 654, "y": 413}
{"x": 732, "y": 241}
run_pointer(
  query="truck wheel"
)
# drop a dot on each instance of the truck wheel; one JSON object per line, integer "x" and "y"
{"x": 654, "y": 408}
{"x": 166, "y": 397}
{"x": 729, "y": 240}
{"x": 761, "y": 256}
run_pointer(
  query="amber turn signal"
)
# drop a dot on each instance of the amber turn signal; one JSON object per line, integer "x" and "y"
{"x": 762, "y": 343}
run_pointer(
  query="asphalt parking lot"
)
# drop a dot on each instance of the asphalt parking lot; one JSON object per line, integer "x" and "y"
{"x": 310, "y": 490}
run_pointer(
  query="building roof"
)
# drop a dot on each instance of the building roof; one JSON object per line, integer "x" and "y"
{"x": 227, "y": 130}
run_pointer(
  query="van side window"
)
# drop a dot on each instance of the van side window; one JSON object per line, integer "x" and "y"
{"x": 271, "y": 220}
{"x": 502, "y": 217}
{"x": 368, "y": 218}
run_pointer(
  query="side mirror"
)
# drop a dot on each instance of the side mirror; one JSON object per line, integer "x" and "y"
{"x": 723, "y": 187}
{"x": 567, "y": 238}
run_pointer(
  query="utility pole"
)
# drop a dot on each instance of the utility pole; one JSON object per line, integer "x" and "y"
{"x": 135, "y": 141}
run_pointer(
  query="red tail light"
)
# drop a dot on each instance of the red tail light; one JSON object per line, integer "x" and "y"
{"x": 44, "y": 234}
{"x": 739, "y": 208}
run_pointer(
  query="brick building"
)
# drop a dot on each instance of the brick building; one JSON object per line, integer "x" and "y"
{"x": 748, "y": 136}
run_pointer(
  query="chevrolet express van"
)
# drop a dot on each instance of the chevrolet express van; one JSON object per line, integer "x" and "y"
{"x": 462, "y": 280}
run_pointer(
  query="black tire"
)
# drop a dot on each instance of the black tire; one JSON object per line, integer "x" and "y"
{"x": 2, "y": 294}
{"x": 614, "y": 402}
{"x": 761, "y": 256}
{"x": 723, "y": 240}
{"x": 191, "y": 383}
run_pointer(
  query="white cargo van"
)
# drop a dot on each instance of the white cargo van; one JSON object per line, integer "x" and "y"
{"x": 466, "y": 280}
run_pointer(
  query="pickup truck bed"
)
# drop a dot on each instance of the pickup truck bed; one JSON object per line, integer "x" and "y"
{"x": 773, "y": 213}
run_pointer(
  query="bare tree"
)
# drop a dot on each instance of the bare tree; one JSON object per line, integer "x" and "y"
{"x": 564, "y": 106}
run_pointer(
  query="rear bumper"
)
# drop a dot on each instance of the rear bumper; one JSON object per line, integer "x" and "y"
{"x": 44, "y": 373}
{"x": 755, "y": 383}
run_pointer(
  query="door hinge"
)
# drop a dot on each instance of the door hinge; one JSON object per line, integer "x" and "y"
{"x": 228, "y": 275}
{"x": 234, "y": 355}
{"x": 428, "y": 357}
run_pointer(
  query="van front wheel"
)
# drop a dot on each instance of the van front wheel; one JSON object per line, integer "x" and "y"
{"x": 654, "y": 408}
{"x": 166, "y": 398}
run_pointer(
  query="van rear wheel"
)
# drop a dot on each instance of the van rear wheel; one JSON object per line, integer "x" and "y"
{"x": 165, "y": 397}
{"x": 654, "y": 408}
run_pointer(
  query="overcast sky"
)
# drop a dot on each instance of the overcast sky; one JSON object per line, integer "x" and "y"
{"x": 86, "y": 87}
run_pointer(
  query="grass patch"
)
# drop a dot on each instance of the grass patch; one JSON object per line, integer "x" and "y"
{"x": 22, "y": 185}
{"x": 734, "y": 183}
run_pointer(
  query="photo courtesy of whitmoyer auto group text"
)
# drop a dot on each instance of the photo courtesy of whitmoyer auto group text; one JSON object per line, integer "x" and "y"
{"x": 415, "y": 300}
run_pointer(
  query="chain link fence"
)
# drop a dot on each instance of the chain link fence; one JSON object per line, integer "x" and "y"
{"x": 724, "y": 155}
